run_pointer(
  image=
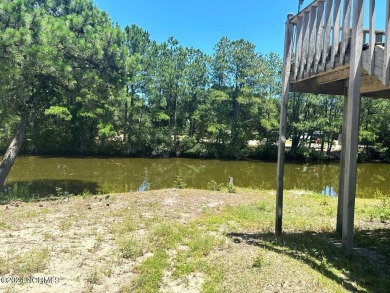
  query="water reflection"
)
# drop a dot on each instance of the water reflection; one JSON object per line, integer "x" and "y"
{"x": 145, "y": 185}
{"x": 43, "y": 175}
{"x": 48, "y": 187}
{"x": 329, "y": 191}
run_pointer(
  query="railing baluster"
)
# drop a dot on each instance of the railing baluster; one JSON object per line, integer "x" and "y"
{"x": 305, "y": 34}
{"x": 298, "y": 47}
{"x": 328, "y": 25}
{"x": 346, "y": 30}
{"x": 336, "y": 31}
{"x": 323, "y": 39}
{"x": 320, "y": 31}
{"x": 312, "y": 40}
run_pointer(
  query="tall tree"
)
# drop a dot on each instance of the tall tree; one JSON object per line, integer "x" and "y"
{"x": 65, "y": 56}
{"x": 196, "y": 81}
{"x": 249, "y": 79}
{"x": 138, "y": 44}
{"x": 301, "y": 118}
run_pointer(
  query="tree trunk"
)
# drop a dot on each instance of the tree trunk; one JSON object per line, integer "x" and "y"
{"x": 175, "y": 121}
{"x": 83, "y": 134}
{"x": 125, "y": 123}
{"x": 13, "y": 150}
{"x": 131, "y": 111}
{"x": 330, "y": 144}
{"x": 294, "y": 145}
{"x": 322, "y": 144}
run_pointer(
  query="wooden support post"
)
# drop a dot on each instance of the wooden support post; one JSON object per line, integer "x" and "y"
{"x": 283, "y": 121}
{"x": 386, "y": 58}
{"x": 352, "y": 126}
{"x": 339, "y": 224}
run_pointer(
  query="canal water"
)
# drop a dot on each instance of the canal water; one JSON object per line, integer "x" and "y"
{"x": 48, "y": 175}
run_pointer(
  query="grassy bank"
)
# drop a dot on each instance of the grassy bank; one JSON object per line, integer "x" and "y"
{"x": 192, "y": 241}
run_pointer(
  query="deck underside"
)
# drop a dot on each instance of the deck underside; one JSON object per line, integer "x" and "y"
{"x": 334, "y": 81}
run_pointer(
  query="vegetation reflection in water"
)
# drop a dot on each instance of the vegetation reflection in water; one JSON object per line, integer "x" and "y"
{"x": 47, "y": 175}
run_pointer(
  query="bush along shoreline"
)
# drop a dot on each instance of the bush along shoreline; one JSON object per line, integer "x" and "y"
{"x": 189, "y": 148}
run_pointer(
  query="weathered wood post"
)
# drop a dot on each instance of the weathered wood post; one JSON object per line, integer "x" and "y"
{"x": 386, "y": 57}
{"x": 283, "y": 121}
{"x": 352, "y": 126}
{"x": 340, "y": 197}
{"x": 371, "y": 60}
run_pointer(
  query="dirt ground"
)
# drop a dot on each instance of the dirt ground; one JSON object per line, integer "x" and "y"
{"x": 178, "y": 240}
{"x": 68, "y": 245}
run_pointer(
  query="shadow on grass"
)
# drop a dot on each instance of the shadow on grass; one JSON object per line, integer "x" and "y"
{"x": 45, "y": 189}
{"x": 369, "y": 267}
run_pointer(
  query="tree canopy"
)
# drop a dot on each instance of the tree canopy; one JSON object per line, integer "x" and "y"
{"x": 73, "y": 82}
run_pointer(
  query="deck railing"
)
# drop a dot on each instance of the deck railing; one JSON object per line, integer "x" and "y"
{"x": 322, "y": 38}
{"x": 328, "y": 35}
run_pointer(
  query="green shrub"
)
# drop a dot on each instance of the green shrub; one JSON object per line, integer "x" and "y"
{"x": 265, "y": 152}
{"x": 383, "y": 210}
{"x": 258, "y": 262}
{"x": 129, "y": 247}
{"x": 213, "y": 185}
{"x": 231, "y": 188}
{"x": 179, "y": 183}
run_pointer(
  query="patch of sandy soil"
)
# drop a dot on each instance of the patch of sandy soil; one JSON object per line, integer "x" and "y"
{"x": 77, "y": 233}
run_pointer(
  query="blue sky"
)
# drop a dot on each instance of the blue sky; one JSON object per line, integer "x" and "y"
{"x": 201, "y": 23}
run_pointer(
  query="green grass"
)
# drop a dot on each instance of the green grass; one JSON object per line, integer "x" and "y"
{"x": 309, "y": 222}
{"x": 27, "y": 263}
{"x": 127, "y": 225}
{"x": 4, "y": 226}
{"x": 165, "y": 236}
{"x": 67, "y": 222}
{"x": 31, "y": 262}
{"x": 198, "y": 244}
{"x": 129, "y": 246}
{"x": 150, "y": 273}
{"x": 35, "y": 213}
{"x": 4, "y": 266}
{"x": 382, "y": 210}
{"x": 213, "y": 278}
{"x": 93, "y": 277}
{"x": 235, "y": 250}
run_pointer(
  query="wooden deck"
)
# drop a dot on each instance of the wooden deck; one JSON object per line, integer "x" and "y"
{"x": 328, "y": 51}
{"x": 322, "y": 46}
{"x": 334, "y": 81}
